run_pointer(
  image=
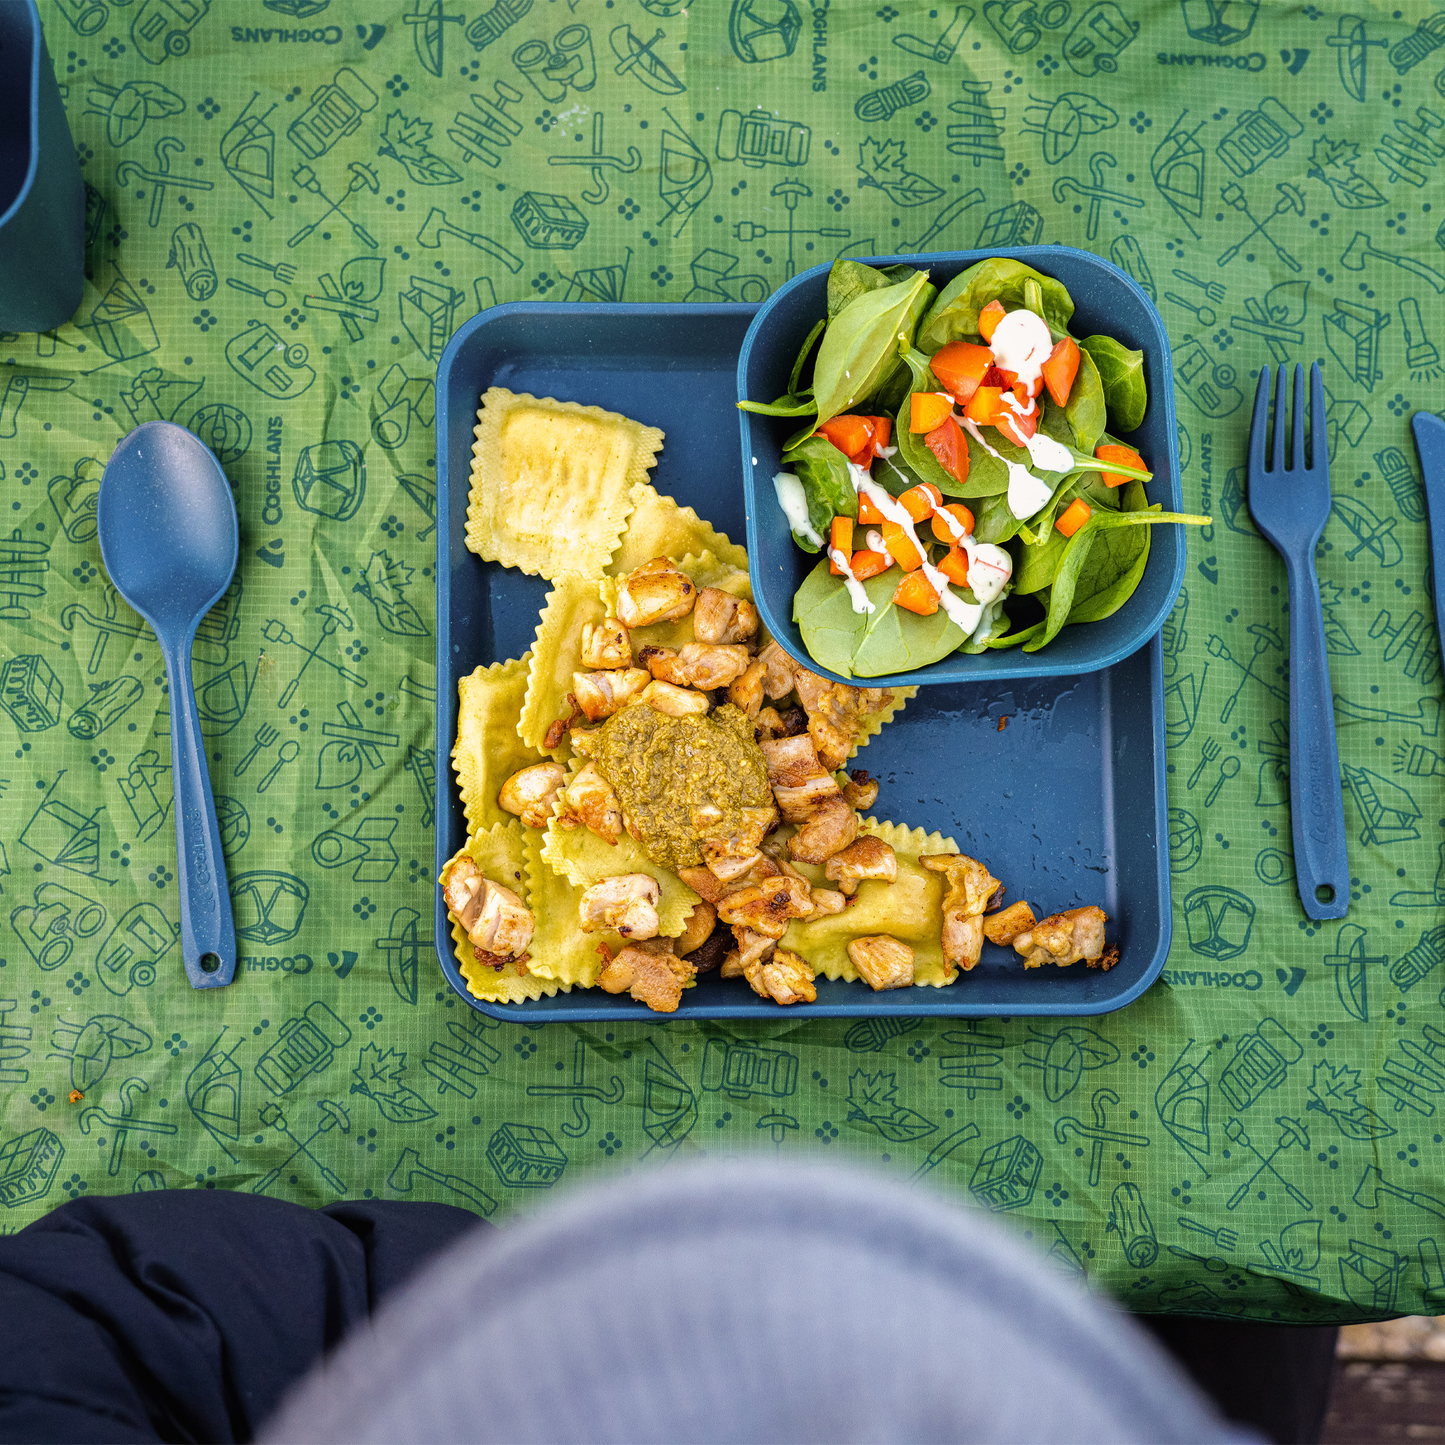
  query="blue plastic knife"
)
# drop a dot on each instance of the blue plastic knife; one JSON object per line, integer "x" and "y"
{"x": 1430, "y": 441}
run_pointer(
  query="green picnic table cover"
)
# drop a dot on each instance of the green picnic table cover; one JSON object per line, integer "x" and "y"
{"x": 292, "y": 205}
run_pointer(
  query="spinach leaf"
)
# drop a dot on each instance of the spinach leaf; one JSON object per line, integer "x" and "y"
{"x": 796, "y": 375}
{"x": 1076, "y": 557}
{"x": 873, "y": 644}
{"x": 860, "y": 346}
{"x": 848, "y": 279}
{"x": 1086, "y": 411}
{"x": 1114, "y": 567}
{"x": 823, "y": 471}
{"x": 824, "y": 613}
{"x": 954, "y": 316}
{"x": 786, "y": 405}
{"x": 992, "y": 520}
{"x": 1038, "y": 565}
{"x": 1122, "y": 373}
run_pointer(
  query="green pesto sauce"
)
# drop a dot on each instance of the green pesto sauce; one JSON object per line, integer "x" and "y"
{"x": 665, "y": 769}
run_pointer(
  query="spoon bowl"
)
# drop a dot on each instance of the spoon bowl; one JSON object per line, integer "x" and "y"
{"x": 170, "y": 540}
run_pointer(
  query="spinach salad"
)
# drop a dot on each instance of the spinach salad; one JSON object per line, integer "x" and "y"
{"x": 955, "y": 468}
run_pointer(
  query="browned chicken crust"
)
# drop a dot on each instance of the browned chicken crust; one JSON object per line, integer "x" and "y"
{"x": 1004, "y": 927}
{"x": 882, "y": 962}
{"x": 1064, "y": 938}
{"x": 656, "y": 592}
{"x": 970, "y": 889}
{"x": 497, "y": 922}
{"x": 650, "y": 972}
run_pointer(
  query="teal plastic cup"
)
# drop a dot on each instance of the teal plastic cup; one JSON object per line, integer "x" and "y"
{"x": 42, "y": 196}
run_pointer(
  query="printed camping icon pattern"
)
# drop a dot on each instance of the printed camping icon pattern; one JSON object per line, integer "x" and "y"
{"x": 290, "y": 207}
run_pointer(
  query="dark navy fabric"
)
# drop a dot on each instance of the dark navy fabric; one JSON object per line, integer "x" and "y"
{"x": 185, "y": 1315}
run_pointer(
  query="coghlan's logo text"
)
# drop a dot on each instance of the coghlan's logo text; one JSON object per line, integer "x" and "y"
{"x": 1250, "y": 980}
{"x": 1252, "y": 62}
{"x": 270, "y": 963}
{"x": 271, "y": 509}
{"x": 820, "y": 46}
{"x": 322, "y": 35}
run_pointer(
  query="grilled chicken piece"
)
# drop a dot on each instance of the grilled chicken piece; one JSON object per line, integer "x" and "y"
{"x": 831, "y": 826}
{"x": 674, "y": 701}
{"x": 746, "y": 692}
{"x": 835, "y": 712}
{"x": 827, "y": 901}
{"x": 798, "y": 780}
{"x": 786, "y": 978}
{"x": 970, "y": 888}
{"x": 882, "y": 962}
{"x": 656, "y": 592}
{"x": 588, "y": 800}
{"x": 584, "y": 741}
{"x": 774, "y": 724}
{"x": 778, "y": 681}
{"x": 530, "y": 792}
{"x": 698, "y": 664}
{"x": 606, "y": 644}
{"x": 861, "y": 790}
{"x": 1004, "y": 927}
{"x": 650, "y": 972}
{"x": 697, "y": 930}
{"x": 721, "y": 617}
{"x": 497, "y": 922}
{"x": 627, "y": 902}
{"x": 767, "y": 907}
{"x": 600, "y": 694}
{"x": 751, "y": 948}
{"x": 869, "y": 857}
{"x": 704, "y": 882}
{"x": 728, "y": 858}
{"x": 1063, "y": 938}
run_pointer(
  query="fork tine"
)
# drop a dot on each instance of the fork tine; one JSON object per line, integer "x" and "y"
{"x": 1297, "y": 429}
{"x": 1319, "y": 432}
{"x": 1281, "y": 405}
{"x": 1259, "y": 427}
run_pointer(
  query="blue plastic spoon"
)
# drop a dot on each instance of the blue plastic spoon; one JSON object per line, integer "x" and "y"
{"x": 169, "y": 538}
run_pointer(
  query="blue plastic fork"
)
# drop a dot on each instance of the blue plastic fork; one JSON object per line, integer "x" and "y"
{"x": 1291, "y": 506}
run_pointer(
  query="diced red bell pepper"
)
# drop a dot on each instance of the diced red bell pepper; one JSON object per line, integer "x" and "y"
{"x": 1060, "y": 370}
{"x": 948, "y": 444}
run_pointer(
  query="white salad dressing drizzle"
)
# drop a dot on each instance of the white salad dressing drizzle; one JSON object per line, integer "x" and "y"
{"x": 964, "y": 615}
{"x": 989, "y": 567}
{"x": 1021, "y": 343}
{"x": 794, "y": 502}
{"x": 1026, "y": 493}
{"x": 874, "y": 539}
{"x": 856, "y": 594}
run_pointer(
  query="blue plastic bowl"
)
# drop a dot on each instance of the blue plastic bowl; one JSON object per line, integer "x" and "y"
{"x": 1105, "y": 301}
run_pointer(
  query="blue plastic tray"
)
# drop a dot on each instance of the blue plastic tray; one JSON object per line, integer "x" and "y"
{"x": 1067, "y": 804}
{"x": 1105, "y": 300}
